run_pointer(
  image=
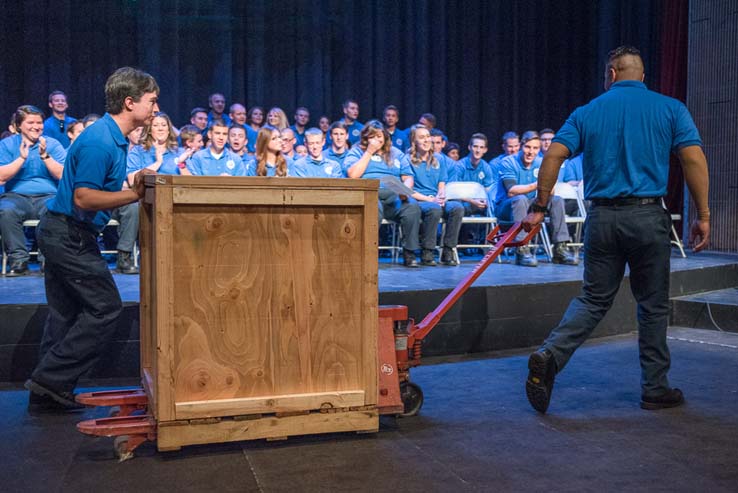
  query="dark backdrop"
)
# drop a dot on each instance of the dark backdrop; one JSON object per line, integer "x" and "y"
{"x": 477, "y": 65}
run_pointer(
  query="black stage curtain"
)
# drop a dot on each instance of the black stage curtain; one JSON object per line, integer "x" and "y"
{"x": 477, "y": 65}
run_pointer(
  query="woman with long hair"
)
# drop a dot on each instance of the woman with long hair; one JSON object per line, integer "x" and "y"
{"x": 375, "y": 158}
{"x": 255, "y": 120}
{"x": 157, "y": 149}
{"x": 277, "y": 118}
{"x": 430, "y": 175}
{"x": 269, "y": 159}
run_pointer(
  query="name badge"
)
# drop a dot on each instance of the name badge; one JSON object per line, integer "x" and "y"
{"x": 328, "y": 170}
{"x": 376, "y": 158}
{"x": 481, "y": 175}
{"x": 230, "y": 164}
{"x": 397, "y": 163}
{"x": 355, "y": 133}
{"x": 535, "y": 172}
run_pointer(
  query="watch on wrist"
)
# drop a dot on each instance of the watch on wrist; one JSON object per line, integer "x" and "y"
{"x": 45, "y": 156}
{"x": 537, "y": 208}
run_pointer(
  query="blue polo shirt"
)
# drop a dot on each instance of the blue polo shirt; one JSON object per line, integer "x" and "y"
{"x": 511, "y": 168}
{"x": 481, "y": 173}
{"x": 57, "y": 129}
{"x": 224, "y": 117}
{"x": 627, "y": 135}
{"x": 378, "y": 167}
{"x": 307, "y": 167}
{"x": 251, "y": 135}
{"x": 426, "y": 178}
{"x": 354, "y": 131}
{"x": 203, "y": 163}
{"x": 139, "y": 158}
{"x": 271, "y": 169}
{"x": 399, "y": 139}
{"x": 33, "y": 178}
{"x": 339, "y": 158}
{"x": 96, "y": 160}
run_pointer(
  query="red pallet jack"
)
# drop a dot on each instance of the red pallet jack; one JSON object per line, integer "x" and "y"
{"x": 400, "y": 342}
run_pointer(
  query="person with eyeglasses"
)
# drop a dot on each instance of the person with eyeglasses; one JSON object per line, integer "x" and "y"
{"x": 57, "y": 124}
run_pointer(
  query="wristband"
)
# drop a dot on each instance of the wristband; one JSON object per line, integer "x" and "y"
{"x": 45, "y": 156}
{"x": 181, "y": 165}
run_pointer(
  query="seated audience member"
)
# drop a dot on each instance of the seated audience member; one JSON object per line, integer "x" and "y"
{"x": 339, "y": 143}
{"x": 237, "y": 142}
{"x": 10, "y": 130}
{"x": 452, "y": 151}
{"x": 216, "y": 160}
{"x": 269, "y": 160}
{"x": 191, "y": 139}
{"x": 255, "y": 122}
{"x": 324, "y": 124}
{"x": 547, "y": 136}
{"x": 288, "y": 144}
{"x": 73, "y": 130}
{"x": 217, "y": 104}
{"x": 473, "y": 168}
{"x": 237, "y": 113}
{"x": 301, "y": 151}
{"x": 277, "y": 118}
{"x": 156, "y": 150}
{"x": 30, "y": 168}
{"x": 350, "y": 118}
{"x": 199, "y": 118}
{"x": 302, "y": 118}
{"x": 374, "y": 158}
{"x": 315, "y": 164}
{"x": 439, "y": 141}
{"x": 517, "y": 189}
{"x": 428, "y": 120}
{"x": 510, "y": 146}
{"x": 390, "y": 117}
{"x": 57, "y": 124}
{"x": 573, "y": 176}
{"x": 429, "y": 182}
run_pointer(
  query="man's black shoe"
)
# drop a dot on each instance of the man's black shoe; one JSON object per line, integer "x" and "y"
{"x": 524, "y": 257}
{"x": 39, "y": 404}
{"x": 408, "y": 258}
{"x": 448, "y": 257}
{"x": 124, "y": 265}
{"x": 670, "y": 398}
{"x": 427, "y": 258}
{"x": 562, "y": 255}
{"x": 65, "y": 400}
{"x": 17, "y": 269}
{"x": 542, "y": 371}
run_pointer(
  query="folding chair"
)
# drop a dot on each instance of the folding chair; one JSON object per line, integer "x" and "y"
{"x": 458, "y": 190}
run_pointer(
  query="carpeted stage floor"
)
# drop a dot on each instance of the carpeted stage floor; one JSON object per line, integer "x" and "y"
{"x": 476, "y": 432}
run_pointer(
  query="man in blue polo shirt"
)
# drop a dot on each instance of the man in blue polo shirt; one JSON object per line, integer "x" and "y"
{"x": 350, "y": 118}
{"x": 627, "y": 135}
{"x": 339, "y": 145}
{"x": 217, "y": 160}
{"x": 217, "y": 103}
{"x": 518, "y": 178}
{"x": 473, "y": 168}
{"x": 315, "y": 165}
{"x": 57, "y": 124}
{"x": 390, "y": 117}
{"x": 302, "y": 118}
{"x": 30, "y": 167}
{"x": 84, "y": 302}
{"x": 510, "y": 146}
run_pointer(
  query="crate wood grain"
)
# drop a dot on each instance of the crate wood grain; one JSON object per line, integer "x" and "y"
{"x": 259, "y": 296}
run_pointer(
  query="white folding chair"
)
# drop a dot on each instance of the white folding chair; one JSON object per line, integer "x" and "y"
{"x": 459, "y": 190}
{"x": 570, "y": 192}
{"x": 676, "y": 241}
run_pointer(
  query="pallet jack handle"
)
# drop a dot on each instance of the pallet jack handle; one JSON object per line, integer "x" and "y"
{"x": 500, "y": 242}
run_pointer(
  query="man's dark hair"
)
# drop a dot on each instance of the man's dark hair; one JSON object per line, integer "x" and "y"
{"x": 22, "y": 113}
{"x": 622, "y": 51}
{"x": 390, "y": 107}
{"x": 127, "y": 82}
{"x": 56, "y": 93}
{"x": 546, "y": 131}
{"x": 218, "y": 122}
{"x": 197, "y": 110}
{"x": 435, "y": 132}
{"x": 478, "y": 136}
{"x": 430, "y": 118}
{"x": 237, "y": 125}
{"x": 349, "y": 101}
{"x": 529, "y": 135}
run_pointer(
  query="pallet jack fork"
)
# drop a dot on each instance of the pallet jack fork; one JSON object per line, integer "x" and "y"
{"x": 399, "y": 349}
{"x": 397, "y": 394}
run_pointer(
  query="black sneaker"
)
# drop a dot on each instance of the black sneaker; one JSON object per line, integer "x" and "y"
{"x": 524, "y": 257}
{"x": 40, "y": 396}
{"x": 538, "y": 387}
{"x": 17, "y": 269}
{"x": 562, "y": 255}
{"x": 448, "y": 257}
{"x": 124, "y": 264}
{"x": 408, "y": 258}
{"x": 670, "y": 398}
{"x": 40, "y": 404}
{"x": 427, "y": 258}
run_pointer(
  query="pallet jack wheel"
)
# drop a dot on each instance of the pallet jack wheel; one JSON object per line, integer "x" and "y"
{"x": 412, "y": 399}
{"x": 121, "y": 448}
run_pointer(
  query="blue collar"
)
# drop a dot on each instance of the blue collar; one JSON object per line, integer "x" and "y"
{"x": 629, "y": 83}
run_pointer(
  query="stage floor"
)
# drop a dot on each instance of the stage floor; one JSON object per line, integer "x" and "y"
{"x": 476, "y": 432}
{"x": 392, "y": 277}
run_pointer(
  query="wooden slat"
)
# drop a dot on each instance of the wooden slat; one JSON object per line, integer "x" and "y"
{"x": 164, "y": 303}
{"x": 239, "y": 182}
{"x": 270, "y": 404}
{"x": 267, "y": 197}
{"x": 172, "y": 437}
{"x": 370, "y": 296}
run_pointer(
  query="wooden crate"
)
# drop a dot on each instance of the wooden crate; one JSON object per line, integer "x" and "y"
{"x": 258, "y": 307}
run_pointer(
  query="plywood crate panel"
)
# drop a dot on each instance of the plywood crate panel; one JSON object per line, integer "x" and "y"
{"x": 259, "y": 297}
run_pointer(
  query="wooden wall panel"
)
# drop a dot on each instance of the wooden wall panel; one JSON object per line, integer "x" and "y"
{"x": 712, "y": 97}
